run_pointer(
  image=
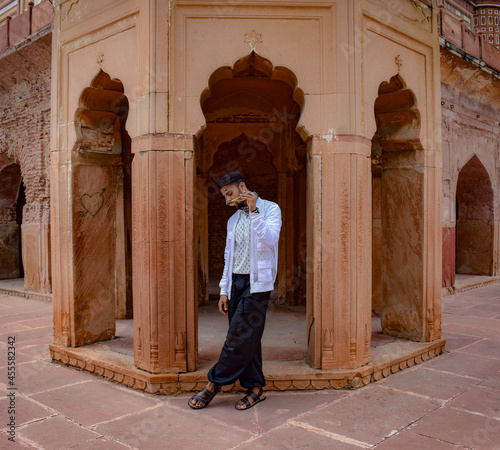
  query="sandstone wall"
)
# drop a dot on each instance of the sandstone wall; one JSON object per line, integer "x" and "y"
{"x": 25, "y": 74}
{"x": 470, "y": 118}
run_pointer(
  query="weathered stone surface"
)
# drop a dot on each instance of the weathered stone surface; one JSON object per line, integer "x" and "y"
{"x": 402, "y": 253}
{"x": 94, "y": 250}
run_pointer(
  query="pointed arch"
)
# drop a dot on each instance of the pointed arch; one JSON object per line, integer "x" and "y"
{"x": 475, "y": 215}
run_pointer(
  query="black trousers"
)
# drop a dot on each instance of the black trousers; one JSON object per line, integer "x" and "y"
{"x": 241, "y": 355}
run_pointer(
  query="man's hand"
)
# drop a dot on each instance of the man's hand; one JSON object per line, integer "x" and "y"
{"x": 223, "y": 305}
{"x": 251, "y": 199}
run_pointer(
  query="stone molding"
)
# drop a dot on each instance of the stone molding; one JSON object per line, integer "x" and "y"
{"x": 451, "y": 290}
{"x": 162, "y": 142}
{"x": 349, "y": 144}
{"x": 27, "y": 294}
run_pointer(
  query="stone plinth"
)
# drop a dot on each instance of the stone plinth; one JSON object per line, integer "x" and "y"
{"x": 280, "y": 375}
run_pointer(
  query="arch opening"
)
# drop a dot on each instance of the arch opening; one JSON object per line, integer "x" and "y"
{"x": 474, "y": 220}
{"x": 252, "y": 111}
{"x": 12, "y": 201}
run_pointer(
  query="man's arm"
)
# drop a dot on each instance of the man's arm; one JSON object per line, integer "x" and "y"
{"x": 268, "y": 228}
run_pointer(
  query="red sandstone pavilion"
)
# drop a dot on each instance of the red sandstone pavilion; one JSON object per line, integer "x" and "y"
{"x": 373, "y": 124}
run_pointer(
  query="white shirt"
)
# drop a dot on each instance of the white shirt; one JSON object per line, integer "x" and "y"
{"x": 265, "y": 228}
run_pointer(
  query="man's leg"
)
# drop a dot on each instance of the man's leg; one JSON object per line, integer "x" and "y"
{"x": 241, "y": 355}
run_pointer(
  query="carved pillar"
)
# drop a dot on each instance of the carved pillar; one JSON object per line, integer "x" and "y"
{"x": 433, "y": 246}
{"x": 62, "y": 255}
{"x": 164, "y": 299}
{"x": 339, "y": 249}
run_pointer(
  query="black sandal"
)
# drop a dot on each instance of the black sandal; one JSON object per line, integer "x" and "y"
{"x": 257, "y": 398}
{"x": 204, "y": 396}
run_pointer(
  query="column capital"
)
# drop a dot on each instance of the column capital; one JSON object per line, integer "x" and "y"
{"x": 162, "y": 142}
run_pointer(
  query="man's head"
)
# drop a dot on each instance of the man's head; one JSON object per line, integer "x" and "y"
{"x": 232, "y": 185}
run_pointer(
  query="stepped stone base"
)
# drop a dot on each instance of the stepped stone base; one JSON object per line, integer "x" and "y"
{"x": 280, "y": 375}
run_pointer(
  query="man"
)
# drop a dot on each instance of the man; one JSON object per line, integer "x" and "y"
{"x": 250, "y": 265}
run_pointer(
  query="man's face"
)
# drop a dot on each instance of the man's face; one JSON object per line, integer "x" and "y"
{"x": 232, "y": 191}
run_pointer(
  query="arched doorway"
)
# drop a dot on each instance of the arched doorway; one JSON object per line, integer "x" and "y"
{"x": 12, "y": 201}
{"x": 21, "y": 201}
{"x": 252, "y": 111}
{"x": 474, "y": 208}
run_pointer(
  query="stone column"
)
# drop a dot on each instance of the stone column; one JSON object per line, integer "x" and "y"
{"x": 496, "y": 249}
{"x": 411, "y": 246}
{"x": 62, "y": 255}
{"x": 165, "y": 307}
{"x": 83, "y": 242}
{"x": 432, "y": 262}
{"x": 339, "y": 251}
{"x": 36, "y": 256}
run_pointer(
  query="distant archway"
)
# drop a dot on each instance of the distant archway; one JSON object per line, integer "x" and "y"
{"x": 474, "y": 208}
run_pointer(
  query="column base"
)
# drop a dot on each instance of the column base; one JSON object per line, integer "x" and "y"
{"x": 280, "y": 375}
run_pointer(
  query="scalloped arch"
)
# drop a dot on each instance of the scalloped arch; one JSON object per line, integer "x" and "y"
{"x": 254, "y": 65}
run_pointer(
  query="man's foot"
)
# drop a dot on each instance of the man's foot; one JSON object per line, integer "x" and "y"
{"x": 251, "y": 398}
{"x": 204, "y": 397}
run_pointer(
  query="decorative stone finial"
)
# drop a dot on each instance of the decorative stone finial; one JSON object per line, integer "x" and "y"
{"x": 100, "y": 59}
{"x": 253, "y": 38}
{"x": 399, "y": 62}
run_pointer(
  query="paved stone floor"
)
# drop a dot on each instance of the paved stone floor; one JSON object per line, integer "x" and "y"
{"x": 450, "y": 402}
